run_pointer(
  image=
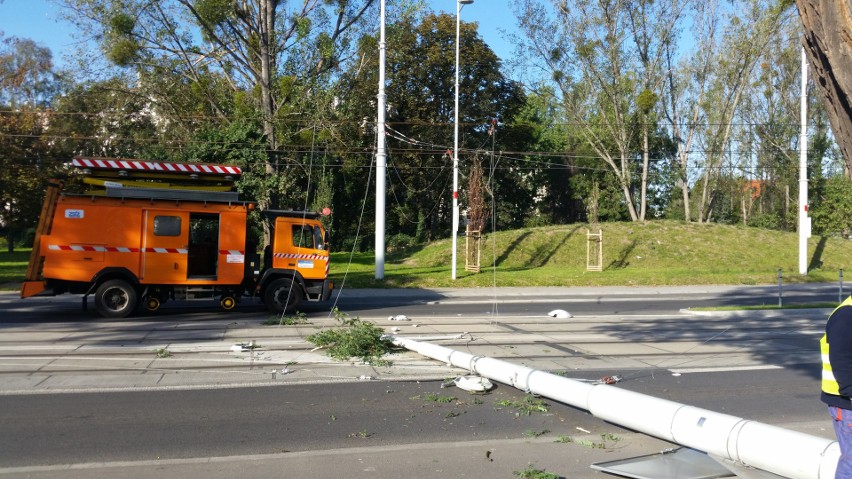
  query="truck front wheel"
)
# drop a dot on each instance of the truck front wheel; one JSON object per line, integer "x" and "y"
{"x": 115, "y": 298}
{"x": 282, "y": 296}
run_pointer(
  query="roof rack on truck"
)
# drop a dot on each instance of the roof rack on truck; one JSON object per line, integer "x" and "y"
{"x": 106, "y": 173}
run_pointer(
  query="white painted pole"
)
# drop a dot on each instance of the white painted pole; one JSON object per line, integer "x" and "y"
{"x": 381, "y": 157}
{"x": 804, "y": 221}
{"x": 455, "y": 230}
{"x": 780, "y": 451}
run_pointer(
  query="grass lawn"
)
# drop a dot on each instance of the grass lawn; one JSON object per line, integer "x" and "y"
{"x": 634, "y": 254}
{"x": 13, "y": 267}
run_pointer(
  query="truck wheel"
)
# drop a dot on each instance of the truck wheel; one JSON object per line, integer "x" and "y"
{"x": 282, "y": 296}
{"x": 228, "y": 303}
{"x": 152, "y": 303}
{"x": 115, "y": 299}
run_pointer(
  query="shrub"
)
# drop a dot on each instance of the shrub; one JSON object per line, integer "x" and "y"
{"x": 356, "y": 339}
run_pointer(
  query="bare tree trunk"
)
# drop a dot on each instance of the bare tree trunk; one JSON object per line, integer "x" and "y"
{"x": 684, "y": 189}
{"x": 628, "y": 197}
{"x": 646, "y": 160}
{"x": 828, "y": 44}
{"x": 705, "y": 198}
{"x": 266, "y": 24}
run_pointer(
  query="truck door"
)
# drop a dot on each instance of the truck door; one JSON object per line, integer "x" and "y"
{"x": 310, "y": 259}
{"x": 165, "y": 244}
{"x": 203, "y": 246}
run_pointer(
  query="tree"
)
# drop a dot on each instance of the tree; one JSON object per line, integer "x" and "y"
{"x": 684, "y": 89}
{"x": 26, "y": 73}
{"x": 592, "y": 51}
{"x": 770, "y": 136}
{"x": 747, "y": 36}
{"x": 254, "y": 44}
{"x": 27, "y": 83}
{"x": 107, "y": 118}
{"x": 826, "y": 42}
{"x": 420, "y": 97}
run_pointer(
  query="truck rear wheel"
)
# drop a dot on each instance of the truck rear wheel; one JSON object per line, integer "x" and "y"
{"x": 282, "y": 296}
{"x": 115, "y": 298}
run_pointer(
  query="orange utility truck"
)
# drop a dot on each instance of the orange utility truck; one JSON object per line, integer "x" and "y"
{"x": 150, "y": 232}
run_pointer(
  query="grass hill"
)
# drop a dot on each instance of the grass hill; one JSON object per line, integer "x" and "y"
{"x": 634, "y": 254}
{"x": 652, "y": 253}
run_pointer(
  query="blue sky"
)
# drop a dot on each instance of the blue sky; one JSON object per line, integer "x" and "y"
{"x": 39, "y": 20}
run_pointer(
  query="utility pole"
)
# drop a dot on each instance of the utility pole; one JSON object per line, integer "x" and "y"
{"x": 804, "y": 220}
{"x": 381, "y": 156}
{"x": 455, "y": 232}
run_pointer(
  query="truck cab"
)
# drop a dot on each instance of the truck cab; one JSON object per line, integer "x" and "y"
{"x": 296, "y": 262}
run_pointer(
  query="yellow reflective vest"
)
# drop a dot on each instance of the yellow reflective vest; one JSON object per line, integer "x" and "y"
{"x": 829, "y": 383}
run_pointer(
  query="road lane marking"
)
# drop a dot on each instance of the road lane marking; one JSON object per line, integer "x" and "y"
{"x": 756, "y": 367}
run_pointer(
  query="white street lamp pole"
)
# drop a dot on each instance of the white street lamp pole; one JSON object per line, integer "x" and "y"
{"x": 804, "y": 219}
{"x": 455, "y": 232}
{"x": 381, "y": 161}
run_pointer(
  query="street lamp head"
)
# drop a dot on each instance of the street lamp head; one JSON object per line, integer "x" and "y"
{"x": 465, "y": 2}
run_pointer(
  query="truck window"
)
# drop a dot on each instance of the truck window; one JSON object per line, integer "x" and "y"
{"x": 303, "y": 236}
{"x": 318, "y": 239}
{"x": 167, "y": 226}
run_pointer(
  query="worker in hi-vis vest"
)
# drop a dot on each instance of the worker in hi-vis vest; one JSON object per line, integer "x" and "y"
{"x": 836, "y": 347}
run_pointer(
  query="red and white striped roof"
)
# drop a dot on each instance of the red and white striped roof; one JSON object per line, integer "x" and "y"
{"x": 155, "y": 166}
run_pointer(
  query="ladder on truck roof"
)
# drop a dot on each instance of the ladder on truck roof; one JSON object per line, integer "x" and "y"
{"x": 110, "y": 173}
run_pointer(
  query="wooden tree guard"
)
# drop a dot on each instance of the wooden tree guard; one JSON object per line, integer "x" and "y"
{"x": 473, "y": 251}
{"x": 594, "y": 251}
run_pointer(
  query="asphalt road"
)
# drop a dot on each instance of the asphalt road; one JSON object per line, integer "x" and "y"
{"x": 138, "y": 426}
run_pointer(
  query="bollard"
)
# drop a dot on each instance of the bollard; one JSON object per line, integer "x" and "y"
{"x": 779, "y": 287}
{"x": 840, "y": 290}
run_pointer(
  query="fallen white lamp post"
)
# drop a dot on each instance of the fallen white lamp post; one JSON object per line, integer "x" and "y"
{"x": 781, "y": 451}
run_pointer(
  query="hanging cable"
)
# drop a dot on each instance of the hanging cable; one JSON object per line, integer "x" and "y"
{"x": 355, "y": 242}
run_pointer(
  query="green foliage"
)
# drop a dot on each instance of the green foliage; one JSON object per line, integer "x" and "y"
{"x": 602, "y": 444}
{"x": 303, "y": 27}
{"x": 288, "y": 320}
{"x": 440, "y": 399}
{"x": 526, "y": 406}
{"x": 325, "y": 46}
{"x": 646, "y": 101}
{"x": 28, "y": 86}
{"x": 214, "y": 12}
{"x": 123, "y": 51}
{"x": 420, "y": 75}
{"x": 767, "y": 220}
{"x": 832, "y": 212}
{"x": 532, "y": 473}
{"x": 111, "y": 117}
{"x": 355, "y": 339}
{"x": 122, "y": 24}
{"x": 27, "y": 78}
{"x": 400, "y": 242}
{"x": 238, "y": 143}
